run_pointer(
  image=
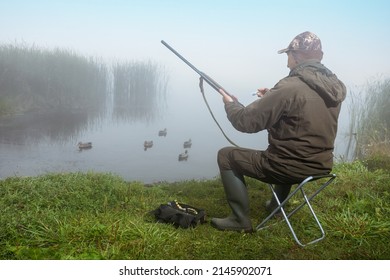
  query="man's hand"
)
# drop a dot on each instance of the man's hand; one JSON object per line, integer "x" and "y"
{"x": 227, "y": 98}
{"x": 261, "y": 91}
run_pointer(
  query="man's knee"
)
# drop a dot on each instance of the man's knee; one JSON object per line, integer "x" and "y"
{"x": 224, "y": 158}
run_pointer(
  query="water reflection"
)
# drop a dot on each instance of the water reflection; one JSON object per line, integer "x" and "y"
{"x": 60, "y": 126}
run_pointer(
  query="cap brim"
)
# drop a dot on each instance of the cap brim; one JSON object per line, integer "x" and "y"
{"x": 283, "y": 50}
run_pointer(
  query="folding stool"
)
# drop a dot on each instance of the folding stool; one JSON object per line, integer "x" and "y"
{"x": 307, "y": 199}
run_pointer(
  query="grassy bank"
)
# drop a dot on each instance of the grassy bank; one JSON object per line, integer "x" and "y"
{"x": 100, "y": 216}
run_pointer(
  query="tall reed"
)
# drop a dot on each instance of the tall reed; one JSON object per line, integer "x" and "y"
{"x": 33, "y": 78}
{"x": 370, "y": 119}
{"x": 139, "y": 90}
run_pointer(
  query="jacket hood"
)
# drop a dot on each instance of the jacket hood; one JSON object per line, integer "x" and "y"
{"x": 321, "y": 80}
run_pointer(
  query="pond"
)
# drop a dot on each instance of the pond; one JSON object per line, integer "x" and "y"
{"x": 116, "y": 147}
{"x": 39, "y": 143}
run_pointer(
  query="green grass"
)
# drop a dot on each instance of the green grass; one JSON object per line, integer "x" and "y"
{"x": 101, "y": 216}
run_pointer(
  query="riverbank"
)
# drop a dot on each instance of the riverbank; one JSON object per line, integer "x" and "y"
{"x": 101, "y": 216}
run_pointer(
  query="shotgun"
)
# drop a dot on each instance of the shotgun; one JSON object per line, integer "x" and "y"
{"x": 205, "y": 77}
{"x": 210, "y": 81}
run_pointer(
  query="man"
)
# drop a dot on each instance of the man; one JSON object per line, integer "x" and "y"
{"x": 300, "y": 114}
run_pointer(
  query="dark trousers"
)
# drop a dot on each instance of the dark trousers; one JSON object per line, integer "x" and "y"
{"x": 251, "y": 163}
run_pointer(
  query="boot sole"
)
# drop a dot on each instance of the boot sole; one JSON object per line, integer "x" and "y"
{"x": 240, "y": 230}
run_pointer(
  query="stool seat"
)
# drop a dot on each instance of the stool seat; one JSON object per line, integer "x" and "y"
{"x": 306, "y": 201}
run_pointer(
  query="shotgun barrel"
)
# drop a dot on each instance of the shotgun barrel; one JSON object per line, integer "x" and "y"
{"x": 205, "y": 77}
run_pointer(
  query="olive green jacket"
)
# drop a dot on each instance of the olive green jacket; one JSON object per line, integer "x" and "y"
{"x": 301, "y": 114}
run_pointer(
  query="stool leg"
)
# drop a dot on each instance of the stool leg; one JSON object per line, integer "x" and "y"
{"x": 299, "y": 188}
{"x": 281, "y": 192}
{"x": 279, "y": 207}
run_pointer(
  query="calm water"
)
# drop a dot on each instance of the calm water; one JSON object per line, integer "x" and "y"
{"x": 117, "y": 148}
{"x": 38, "y": 144}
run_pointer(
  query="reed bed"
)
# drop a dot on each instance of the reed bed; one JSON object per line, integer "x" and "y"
{"x": 37, "y": 79}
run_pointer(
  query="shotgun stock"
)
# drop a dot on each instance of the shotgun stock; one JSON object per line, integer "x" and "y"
{"x": 205, "y": 77}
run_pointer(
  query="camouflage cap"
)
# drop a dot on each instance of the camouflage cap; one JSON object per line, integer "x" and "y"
{"x": 306, "y": 41}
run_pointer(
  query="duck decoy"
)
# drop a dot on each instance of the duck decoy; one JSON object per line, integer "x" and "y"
{"x": 187, "y": 144}
{"x": 183, "y": 156}
{"x": 84, "y": 146}
{"x": 148, "y": 144}
{"x": 162, "y": 132}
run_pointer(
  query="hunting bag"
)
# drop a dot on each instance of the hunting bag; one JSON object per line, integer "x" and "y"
{"x": 179, "y": 214}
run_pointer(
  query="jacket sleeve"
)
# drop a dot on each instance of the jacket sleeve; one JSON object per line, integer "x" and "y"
{"x": 260, "y": 114}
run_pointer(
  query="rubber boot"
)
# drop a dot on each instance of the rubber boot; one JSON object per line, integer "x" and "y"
{"x": 282, "y": 192}
{"x": 237, "y": 197}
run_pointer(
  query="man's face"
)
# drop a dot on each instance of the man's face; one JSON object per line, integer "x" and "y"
{"x": 291, "y": 62}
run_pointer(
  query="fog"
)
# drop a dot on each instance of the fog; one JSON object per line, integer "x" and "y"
{"x": 54, "y": 110}
{"x": 141, "y": 99}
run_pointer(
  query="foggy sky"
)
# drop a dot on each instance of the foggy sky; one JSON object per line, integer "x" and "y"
{"x": 235, "y": 40}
